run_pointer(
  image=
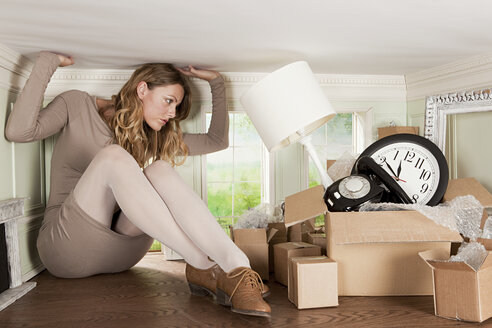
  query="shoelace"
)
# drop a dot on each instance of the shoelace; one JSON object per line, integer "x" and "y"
{"x": 250, "y": 277}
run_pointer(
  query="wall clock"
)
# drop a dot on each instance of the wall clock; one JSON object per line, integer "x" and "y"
{"x": 415, "y": 163}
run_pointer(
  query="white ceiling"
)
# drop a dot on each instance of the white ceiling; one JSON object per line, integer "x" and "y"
{"x": 334, "y": 36}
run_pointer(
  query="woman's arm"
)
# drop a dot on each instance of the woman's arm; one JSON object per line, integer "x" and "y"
{"x": 217, "y": 137}
{"x": 27, "y": 122}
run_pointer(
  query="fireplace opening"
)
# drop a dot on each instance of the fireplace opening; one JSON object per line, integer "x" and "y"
{"x": 4, "y": 270}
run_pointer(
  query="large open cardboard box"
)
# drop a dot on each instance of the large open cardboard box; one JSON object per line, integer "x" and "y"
{"x": 377, "y": 252}
{"x": 460, "y": 291}
{"x": 254, "y": 243}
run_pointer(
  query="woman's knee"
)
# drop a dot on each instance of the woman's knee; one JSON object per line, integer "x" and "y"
{"x": 159, "y": 169}
{"x": 114, "y": 154}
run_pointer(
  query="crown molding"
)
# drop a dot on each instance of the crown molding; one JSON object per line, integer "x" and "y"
{"x": 104, "y": 83}
{"x": 14, "y": 69}
{"x": 337, "y": 87}
{"x": 470, "y": 73}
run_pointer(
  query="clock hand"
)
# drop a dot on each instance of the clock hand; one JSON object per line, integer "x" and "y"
{"x": 390, "y": 169}
{"x": 399, "y": 170}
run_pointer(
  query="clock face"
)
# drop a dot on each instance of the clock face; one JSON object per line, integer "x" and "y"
{"x": 417, "y": 164}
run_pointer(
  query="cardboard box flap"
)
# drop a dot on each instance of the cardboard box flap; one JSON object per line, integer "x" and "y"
{"x": 446, "y": 265}
{"x": 271, "y": 234}
{"x": 468, "y": 186}
{"x": 487, "y": 243}
{"x": 438, "y": 259}
{"x": 248, "y": 236}
{"x": 304, "y": 205}
{"x": 434, "y": 254}
{"x": 487, "y": 262}
{"x": 387, "y": 227}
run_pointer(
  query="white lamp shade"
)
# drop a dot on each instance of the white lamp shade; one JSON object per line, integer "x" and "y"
{"x": 284, "y": 102}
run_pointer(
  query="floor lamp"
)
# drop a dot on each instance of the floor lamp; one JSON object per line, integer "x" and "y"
{"x": 286, "y": 107}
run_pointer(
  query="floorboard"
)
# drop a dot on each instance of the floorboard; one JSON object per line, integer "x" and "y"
{"x": 154, "y": 294}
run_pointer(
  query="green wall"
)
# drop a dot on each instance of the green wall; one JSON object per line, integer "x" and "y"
{"x": 22, "y": 175}
{"x": 416, "y": 114}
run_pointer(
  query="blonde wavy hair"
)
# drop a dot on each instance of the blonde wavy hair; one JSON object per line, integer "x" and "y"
{"x": 130, "y": 129}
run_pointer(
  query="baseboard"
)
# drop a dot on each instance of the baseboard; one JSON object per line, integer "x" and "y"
{"x": 33, "y": 273}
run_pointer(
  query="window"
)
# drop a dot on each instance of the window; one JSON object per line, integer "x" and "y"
{"x": 234, "y": 176}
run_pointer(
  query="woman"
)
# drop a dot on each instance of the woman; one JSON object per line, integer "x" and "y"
{"x": 106, "y": 204}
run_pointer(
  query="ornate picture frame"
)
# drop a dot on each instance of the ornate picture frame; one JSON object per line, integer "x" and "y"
{"x": 439, "y": 106}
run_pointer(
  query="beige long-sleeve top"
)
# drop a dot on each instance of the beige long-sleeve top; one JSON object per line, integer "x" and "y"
{"x": 82, "y": 130}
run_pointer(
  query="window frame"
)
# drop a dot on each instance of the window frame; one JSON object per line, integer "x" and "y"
{"x": 362, "y": 121}
{"x": 267, "y": 163}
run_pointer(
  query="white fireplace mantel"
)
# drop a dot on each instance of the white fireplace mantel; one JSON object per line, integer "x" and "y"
{"x": 10, "y": 211}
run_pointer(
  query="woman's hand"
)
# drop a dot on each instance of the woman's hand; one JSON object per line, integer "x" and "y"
{"x": 203, "y": 74}
{"x": 65, "y": 60}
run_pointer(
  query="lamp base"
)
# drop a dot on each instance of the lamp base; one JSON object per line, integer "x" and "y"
{"x": 306, "y": 141}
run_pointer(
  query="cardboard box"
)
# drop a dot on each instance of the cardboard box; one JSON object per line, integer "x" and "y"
{"x": 460, "y": 291}
{"x": 254, "y": 243}
{"x": 280, "y": 236}
{"x": 298, "y": 231}
{"x": 294, "y": 233}
{"x": 487, "y": 243}
{"x": 313, "y": 282}
{"x": 390, "y": 130}
{"x": 316, "y": 238}
{"x": 377, "y": 252}
{"x": 284, "y": 251}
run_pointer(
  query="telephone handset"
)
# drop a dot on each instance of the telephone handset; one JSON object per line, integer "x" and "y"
{"x": 368, "y": 183}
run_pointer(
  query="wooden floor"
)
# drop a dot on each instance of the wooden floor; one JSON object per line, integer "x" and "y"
{"x": 155, "y": 294}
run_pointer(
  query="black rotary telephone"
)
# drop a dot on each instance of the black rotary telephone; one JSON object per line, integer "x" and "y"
{"x": 368, "y": 183}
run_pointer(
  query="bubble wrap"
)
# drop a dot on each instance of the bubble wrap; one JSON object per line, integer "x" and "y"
{"x": 463, "y": 213}
{"x": 472, "y": 254}
{"x": 259, "y": 217}
{"x": 487, "y": 229}
{"x": 468, "y": 213}
{"x": 342, "y": 167}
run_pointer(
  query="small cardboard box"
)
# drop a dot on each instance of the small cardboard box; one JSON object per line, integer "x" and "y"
{"x": 284, "y": 251}
{"x": 280, "y": 236}
{"x": 390, "y": 130}
{"x": 377, "y": 252}
{"x": 298, "y": 231}
{"x": 460, "y": 291}
{"x": 254, "y": 243}
{"x": 313, "y": 282}
{"x": 316, "y": 238}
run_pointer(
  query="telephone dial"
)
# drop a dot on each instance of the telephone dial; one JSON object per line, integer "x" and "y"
{"x": 369, "y": 182}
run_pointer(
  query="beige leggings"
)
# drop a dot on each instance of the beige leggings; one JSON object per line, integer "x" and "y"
{"x": 157, "y": 202}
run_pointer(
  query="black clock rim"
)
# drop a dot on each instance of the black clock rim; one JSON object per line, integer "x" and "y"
{"x": 432, "y": 147}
